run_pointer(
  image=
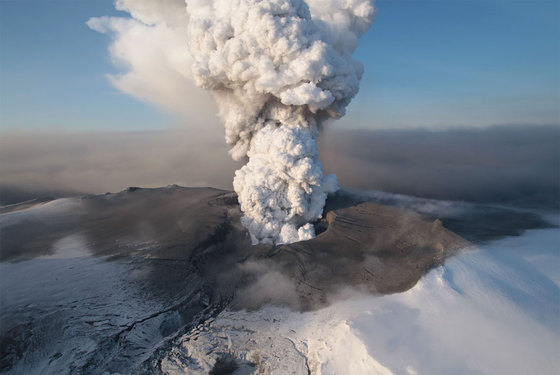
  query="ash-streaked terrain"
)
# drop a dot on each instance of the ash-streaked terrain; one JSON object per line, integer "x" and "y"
{"x": 166, "y": 281}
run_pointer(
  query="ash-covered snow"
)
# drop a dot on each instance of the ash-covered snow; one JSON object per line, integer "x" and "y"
{"x": 493, "y": 310}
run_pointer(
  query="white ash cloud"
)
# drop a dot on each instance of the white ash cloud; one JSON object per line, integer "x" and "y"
{"x": 277, "y": 69}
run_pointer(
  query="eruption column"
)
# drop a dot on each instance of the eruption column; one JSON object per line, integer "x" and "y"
{"x": 278, "y": 69}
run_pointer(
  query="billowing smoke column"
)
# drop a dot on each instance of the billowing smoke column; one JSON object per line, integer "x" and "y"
{"x": 278, "y": 69}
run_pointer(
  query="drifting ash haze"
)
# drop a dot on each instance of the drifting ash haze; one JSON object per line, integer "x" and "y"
{"x": 517, "y": 165}
{"x": 277, "y": 70}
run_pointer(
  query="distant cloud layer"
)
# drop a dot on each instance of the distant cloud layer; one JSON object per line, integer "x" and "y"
{"x": 505, "y": 163}
{"x": 110, "y": 161}
{"x": 497, "y": 164}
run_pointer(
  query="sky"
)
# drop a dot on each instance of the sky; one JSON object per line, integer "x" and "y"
{"x": 429, "y": 64}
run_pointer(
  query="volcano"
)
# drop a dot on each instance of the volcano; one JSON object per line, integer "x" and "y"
{"x": 110, "y": 281}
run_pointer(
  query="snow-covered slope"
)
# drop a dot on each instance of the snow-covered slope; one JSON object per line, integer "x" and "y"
{"x": 492, "y": 310}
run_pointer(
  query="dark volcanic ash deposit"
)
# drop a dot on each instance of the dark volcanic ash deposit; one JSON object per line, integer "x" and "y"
{"x": 382, "y": 248}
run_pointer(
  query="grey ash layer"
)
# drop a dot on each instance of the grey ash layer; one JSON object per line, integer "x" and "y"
{"x": 109, "y": 281}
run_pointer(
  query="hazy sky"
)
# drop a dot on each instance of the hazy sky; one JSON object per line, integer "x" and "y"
{"x": 428, "y": 64}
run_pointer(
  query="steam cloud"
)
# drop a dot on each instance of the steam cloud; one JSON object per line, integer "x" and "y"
{"x": 277, "y": 69}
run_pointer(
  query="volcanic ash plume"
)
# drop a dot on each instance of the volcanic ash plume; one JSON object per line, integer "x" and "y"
{"x": 278, "y": 69}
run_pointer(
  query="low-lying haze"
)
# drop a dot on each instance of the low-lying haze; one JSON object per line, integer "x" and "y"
{"x": 519, "y": 164}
